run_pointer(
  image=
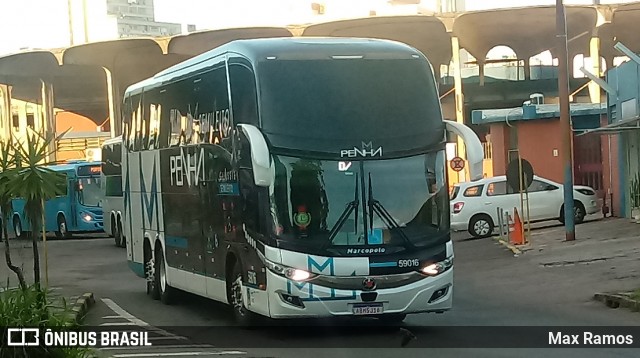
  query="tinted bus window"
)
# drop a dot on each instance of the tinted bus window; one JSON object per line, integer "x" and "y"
{"x": 352, "y": 99}
{"x": 113, "y": 186}
{"x": 243, "y": 94}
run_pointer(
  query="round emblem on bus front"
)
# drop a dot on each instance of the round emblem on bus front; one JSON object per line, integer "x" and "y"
{"x": 368, "y": 284}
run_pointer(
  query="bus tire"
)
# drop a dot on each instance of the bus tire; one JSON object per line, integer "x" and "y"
{"x": 114, "y": 231}
{"x": 150, "y": 272}
{"x": 17, "y": 227}
{"x": 167, "y": 293}
{"x": 117, "y": 236}
{"x": 242, "y": 316}
{"x": 62, "y": 232}
{"x": 123, "y": 239}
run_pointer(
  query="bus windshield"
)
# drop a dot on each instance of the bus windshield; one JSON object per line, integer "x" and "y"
{"x": 90, "y": 192}
{"x": 396, "y": 201}
{"x": 395, "y": 100}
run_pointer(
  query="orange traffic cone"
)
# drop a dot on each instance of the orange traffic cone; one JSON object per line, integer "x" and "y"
{"x": 517, "y": 236}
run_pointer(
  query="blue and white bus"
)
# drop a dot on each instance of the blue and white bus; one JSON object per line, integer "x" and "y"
{"x": 293, "y": 177}
{"x": 77, "y": 210}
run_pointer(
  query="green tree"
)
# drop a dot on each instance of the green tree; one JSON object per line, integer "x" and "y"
{"x": 7, "y": 170}
{"x": 35, "y": 183}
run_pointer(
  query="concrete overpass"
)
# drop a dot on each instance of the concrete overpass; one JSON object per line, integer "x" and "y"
{"x": 89, "y": 79}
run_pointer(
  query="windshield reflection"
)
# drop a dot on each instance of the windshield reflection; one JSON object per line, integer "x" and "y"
{"x": 90, "y": 191}
{"x": 394, "y": 201}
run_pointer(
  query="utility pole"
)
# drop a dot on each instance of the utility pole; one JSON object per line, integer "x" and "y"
{"x": 565, "y": 119}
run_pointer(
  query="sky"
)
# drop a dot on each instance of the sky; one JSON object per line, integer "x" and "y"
{"x": 44, "y": 23}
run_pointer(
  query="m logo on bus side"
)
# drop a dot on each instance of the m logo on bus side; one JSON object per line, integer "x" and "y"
{"x": 368, "y": 284}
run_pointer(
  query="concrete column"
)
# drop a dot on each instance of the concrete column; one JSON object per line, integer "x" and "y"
{"x": 115, "y": 99}
{"x": 481, "y": 72}
{"x": 48, "y": 122}
{"x": 5, "y": 112}
{"x": 594, "y": 53}
{"x": 459, "y": 101}
{"x": 608, "y": 62}
{"x": 527, "y": 68}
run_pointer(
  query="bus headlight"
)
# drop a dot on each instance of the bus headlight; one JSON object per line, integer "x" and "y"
{"x": 289, "y": 272}
{"x": 437, "y": 268}
{"x": 86, "y": 217}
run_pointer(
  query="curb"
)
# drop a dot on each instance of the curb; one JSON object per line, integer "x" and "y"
{"x": 511, "y": 247}
{"x": 615, "y": 300}
{"x": 81, "y": 306}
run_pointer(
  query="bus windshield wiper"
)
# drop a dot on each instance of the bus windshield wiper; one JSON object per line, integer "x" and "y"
{"x": 374, "y": 205}
{"x": 351, "y": 206}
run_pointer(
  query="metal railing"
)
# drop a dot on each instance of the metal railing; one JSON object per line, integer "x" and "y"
{"x": 75, "y": 144}
{"x": 488, "y": 150}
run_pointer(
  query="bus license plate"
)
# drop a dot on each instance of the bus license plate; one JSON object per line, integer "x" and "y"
{"x": 368, "y": 309}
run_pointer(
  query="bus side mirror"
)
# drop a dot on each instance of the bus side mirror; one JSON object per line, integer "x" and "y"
{"x": 474, "y": 150}
{"x": 78, "y": 186}
{"x": 260, "y": 156}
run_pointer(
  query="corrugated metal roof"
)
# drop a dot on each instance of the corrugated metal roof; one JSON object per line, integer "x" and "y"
{"x": 485, "y": 116}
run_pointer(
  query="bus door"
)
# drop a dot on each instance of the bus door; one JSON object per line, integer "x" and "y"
{"x": 74, "y": 188}
{"x": 217, "y": 204}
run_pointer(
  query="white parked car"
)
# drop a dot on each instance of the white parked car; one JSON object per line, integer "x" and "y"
{"x": 474, "y": 204}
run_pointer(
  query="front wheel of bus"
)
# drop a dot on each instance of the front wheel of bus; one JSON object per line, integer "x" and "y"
{"x": 63, "y": 231}
{"x": 167, "y": 293}
{"x": 17, "y": 227}
{"x": 242, "y": 315}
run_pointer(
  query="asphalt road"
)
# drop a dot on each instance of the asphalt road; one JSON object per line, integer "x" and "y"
{"x": 492, "y": 288}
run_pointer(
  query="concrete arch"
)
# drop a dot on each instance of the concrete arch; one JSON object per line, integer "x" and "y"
{"x": 500, "y": 47}
{"x": 199, "y": 42}
{"x": 528, "y": 30}
{"x": 542, "y": 66}
{"x": 428, "y": 34}
{"x": 507, "y": 66}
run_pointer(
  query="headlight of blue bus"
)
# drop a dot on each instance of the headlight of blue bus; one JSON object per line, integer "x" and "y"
{"x": 86, "y": 217}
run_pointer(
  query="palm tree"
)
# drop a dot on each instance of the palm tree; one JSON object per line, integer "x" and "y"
{"x": 7, "y": 169}
{"x": 35, "y": 184}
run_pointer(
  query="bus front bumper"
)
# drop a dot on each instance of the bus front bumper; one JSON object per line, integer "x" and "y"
{"x": 287, "y": 299}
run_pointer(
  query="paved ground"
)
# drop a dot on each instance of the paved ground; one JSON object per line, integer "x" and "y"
{"x": 604, "y": 255}
{"x": 544, "y": 286}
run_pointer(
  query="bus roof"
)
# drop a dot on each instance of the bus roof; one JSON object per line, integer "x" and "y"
{"x": 113, "y": 140}
{"x": 71, "y": 165}
{"x": 287, "y": 48}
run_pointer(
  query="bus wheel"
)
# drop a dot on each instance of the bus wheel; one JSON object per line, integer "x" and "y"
{"x": 150, "y": 272}
{"x": 242, "y": 315}
{"x": 62, "y": 231}
{"x": 114, "y": 232}
{"x": 123, "y": 239}
{"x": 167, "y": 293}
{"x": 117, "y": 235}
{"x": 17, "y": 227}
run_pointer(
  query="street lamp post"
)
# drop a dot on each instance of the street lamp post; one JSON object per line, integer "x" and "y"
{"x": 565, "y": 119}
